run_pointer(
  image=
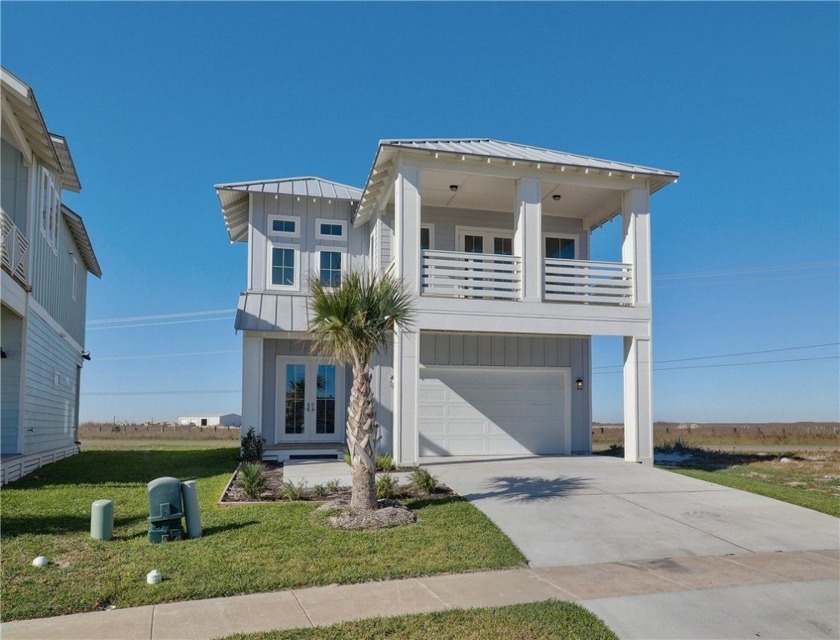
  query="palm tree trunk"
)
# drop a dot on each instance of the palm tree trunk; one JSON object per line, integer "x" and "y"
{"x": 360, "y": 439}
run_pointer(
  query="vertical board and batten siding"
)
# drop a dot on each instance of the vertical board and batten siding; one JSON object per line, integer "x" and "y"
{"x": 52, "y": 278}
{"x": 308, "y": 209}
{"x": 14, "y": 187}
{"x": 10, "y": 379}
{"x": 382, "y": 369}
{"x": 283, "y": 347}
{"x": 495, "y": 350}
{"x": 50, "y": 407}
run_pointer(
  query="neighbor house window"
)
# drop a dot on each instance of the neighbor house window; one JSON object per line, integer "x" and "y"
{"x": 49, "y": 206}
{"x": 330, "y": 268}
{"x": 283, "y": 268}
{"x": 330, "y": 229}
{"x": 284, "y": 226}
{"x": 561, "y": 247}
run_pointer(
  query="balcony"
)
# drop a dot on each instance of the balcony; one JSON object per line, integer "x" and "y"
{"x": 455, "y": 274}
{"x": 13, "y": 248}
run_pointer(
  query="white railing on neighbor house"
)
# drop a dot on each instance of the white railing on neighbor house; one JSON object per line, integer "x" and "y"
{"x": 13, "y": 248}
{"x": 471, "y": 275}
{"x": 588, "y": 282}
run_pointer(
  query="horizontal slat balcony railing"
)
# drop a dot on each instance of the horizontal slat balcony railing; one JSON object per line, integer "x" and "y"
{"x": 459, "y": 274}
{"x": 13, "y": 248}
{"x": 588, "y": 282}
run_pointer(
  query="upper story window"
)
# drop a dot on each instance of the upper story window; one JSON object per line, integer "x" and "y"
{"x": 49, "y": 206}
{"x": 284, "y": 226}
{"x": 283, "y": 267}
{"x": 330, "y": 267}
{"x": 561, "y": 246}
{"x": 330, "y": 229}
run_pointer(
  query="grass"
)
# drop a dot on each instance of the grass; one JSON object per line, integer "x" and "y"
{"x": 551, "y": 620}
{"x": 809, "y": 479}
{"x": 263, "y": 547}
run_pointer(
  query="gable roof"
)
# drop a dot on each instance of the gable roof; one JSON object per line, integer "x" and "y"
{"x": 51, "y": 149}
{"x": 233, "y": 196}
{"x": 82, "y": 240}
{"x": 510, "y": 151}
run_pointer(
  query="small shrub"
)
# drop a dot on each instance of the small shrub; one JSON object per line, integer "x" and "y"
{"x": 347, "y": 459}
{"x": 252, "y": 446}
{"x": 252, "y": 479}
{"x": 424, "y": 482}
{"x": 292, "y": 491}
{"x": 386, "y": 486}
{"x": 319, "y": 490}
{"x": 384, "y": 463}
{"x": 333, "y": 486}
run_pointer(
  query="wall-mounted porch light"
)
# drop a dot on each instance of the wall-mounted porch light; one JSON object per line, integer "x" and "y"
{"x": 453, "y": 187}
{"x": 579, "y": 384}
{"x": 556, "y": 197}
{"x": 86, "y": 355}
{"x": 3, "y": 353}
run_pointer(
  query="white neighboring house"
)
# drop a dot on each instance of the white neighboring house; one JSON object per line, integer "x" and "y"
{"x": 46, "y": 256}
{"x": 493, "y": 240}
{"x": 212, "y": 420}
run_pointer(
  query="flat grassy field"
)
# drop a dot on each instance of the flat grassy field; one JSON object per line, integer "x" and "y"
{"x": 806, "y": 478}
{"x": 245, "y": 549}
{"x": 551, "y": 620}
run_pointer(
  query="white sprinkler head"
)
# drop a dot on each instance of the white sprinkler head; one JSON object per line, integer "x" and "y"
{"x": 153, "y": 577}
{"x": 40, "y": 561}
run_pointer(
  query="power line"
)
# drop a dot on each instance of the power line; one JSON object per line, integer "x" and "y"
{"x": 729, "y": 364}
{"x": 169, "y": 355}
{"x": 165, "y": 316}
{"x": 768, "y": 269}
{"x": 731, "y": 355}
{"x": 157, "y": 324}
{"x": 160, "y": 393}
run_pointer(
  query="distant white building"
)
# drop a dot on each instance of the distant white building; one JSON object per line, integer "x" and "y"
{"x": 212, "y": 420}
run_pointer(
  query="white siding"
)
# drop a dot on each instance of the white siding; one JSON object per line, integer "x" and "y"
{"x": 51, "y": 419}
{"x": 496, "y": 350}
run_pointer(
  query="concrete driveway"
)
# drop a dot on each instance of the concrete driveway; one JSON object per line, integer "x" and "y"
{"x": 587, "y": 510}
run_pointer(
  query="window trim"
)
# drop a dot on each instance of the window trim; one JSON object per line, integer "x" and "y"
{"x": 283, "y": 234}
{"x": 75, "y": 276}
{"x": 461, "y": 231}
{"x": 431, "y": 228}
{"x": 340, "y": 250}
{"x": 270, "y": 264}
{"x": 49, "y": 206}
{"x": 562, "y": 236}
{"x": 321, "y": 236}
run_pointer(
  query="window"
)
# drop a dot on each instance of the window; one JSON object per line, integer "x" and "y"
{"x": 503, "y": 246}
{"x": 492, "y": 241}
{"x": 330, "y": 268}
{"x": 473, "y": 244}
{"x": 284, "y": 226}
{"x": 427, "y": 237}
{"x": 562, "y": 247}
{"x": 283, "y": 268}
{"x": 49, "y": 206}
{"x": 330, "y": 229}
{"x": 75, "y": 275}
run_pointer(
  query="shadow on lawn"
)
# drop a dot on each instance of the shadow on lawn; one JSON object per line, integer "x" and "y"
{"x": 529, "y": 489}
{"x": 14, "y": 526}
{"x": 135, "y": 466}
{"x": 703, "y": 459}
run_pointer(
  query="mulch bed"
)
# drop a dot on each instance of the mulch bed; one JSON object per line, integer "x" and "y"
{"x": 275, "y": 490}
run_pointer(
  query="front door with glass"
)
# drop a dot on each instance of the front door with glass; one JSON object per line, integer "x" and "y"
{"x": 310, "y": 401}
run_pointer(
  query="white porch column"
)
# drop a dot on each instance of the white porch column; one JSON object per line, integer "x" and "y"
{"x": 638, "y": 385}
{"x": 406, "y": 343}
{"x": 252, "y": 385}
{"x": 527, "y": 239}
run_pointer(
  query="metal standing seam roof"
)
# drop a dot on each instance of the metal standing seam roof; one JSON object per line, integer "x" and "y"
{"x": 489, "y": 148}
{"x": 82, "y": 239}
{"x": 51, "y": 149}
{"x": 233, "y": 196}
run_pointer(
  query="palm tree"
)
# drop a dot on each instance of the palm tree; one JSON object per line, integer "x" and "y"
{"x": 349, "y": 324}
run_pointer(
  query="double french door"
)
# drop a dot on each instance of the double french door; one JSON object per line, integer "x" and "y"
{"x": 310, "y": 401}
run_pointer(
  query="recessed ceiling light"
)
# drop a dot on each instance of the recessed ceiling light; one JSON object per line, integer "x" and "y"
{"x": 453, "y": 187}
{"x": 556, "y": 197}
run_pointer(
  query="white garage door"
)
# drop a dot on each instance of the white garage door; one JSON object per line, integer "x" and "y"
{"x": 490, "y": 411}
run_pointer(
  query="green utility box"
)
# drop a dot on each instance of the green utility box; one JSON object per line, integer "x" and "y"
{"x": 165, "y": 510}
{"x": 102, "y": 520}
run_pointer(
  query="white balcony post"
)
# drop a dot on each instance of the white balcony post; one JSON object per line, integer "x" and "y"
{"x": 406, "y": 343}
{"x": 638, "y": 406}
{"x": 635, "y": 248}
{"x": 527, "y": 239}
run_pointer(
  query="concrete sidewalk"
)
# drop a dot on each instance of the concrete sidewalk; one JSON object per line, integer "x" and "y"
{"x": 788, "y": 594}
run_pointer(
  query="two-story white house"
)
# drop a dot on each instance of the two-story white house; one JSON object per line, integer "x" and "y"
{"x": 46, "y": 256}
{"x": 493, "y": 240}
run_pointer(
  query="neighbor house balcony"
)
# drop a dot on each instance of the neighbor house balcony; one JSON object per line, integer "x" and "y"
{"x": 458, "y": 274}
{"x": 13, "y": 249}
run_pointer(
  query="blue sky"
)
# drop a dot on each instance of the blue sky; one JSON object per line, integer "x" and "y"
{"x": 161, "y": 101}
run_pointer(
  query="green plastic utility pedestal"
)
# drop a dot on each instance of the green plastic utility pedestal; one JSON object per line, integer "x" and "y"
{"x": 102, "y": 520}
{"x": 191, "y": 511}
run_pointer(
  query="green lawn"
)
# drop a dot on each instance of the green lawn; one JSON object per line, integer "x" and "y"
{"x": 245, "y": 549}
{"x": 551, "y": 620}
